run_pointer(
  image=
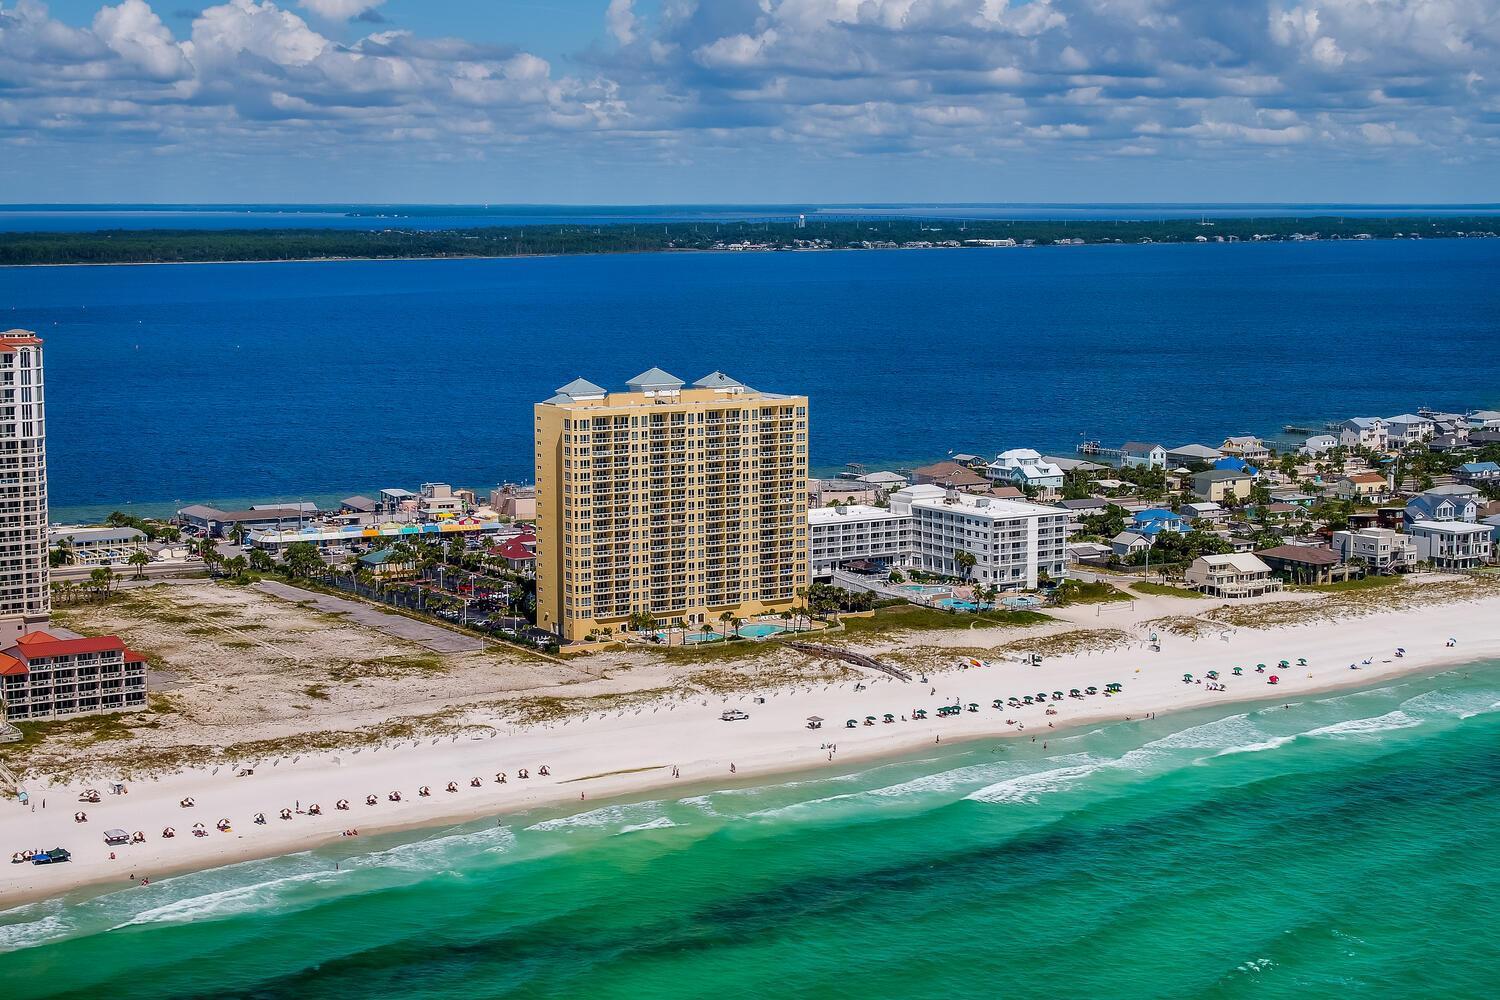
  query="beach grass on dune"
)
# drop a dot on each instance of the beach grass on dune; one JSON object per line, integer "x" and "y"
{"x": 1165, "y": 590}
{"x": 1358, "y": 583}
{"x": 1089, "y": 592}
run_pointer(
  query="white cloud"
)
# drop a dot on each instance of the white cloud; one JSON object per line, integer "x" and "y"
{"x": 827, "y": 78}
{"x": 340, "y": 10}
{"x": 619, "y": 18}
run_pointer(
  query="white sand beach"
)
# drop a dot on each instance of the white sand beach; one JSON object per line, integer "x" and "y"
{"x": 681, "y": 741}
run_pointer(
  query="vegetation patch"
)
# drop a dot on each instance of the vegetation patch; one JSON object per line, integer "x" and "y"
{"x": 1356, "y": 583}
{"x": 1090, "y": 592}
{"x": 912, "y": 618}
{"x": 1163, "y": 590}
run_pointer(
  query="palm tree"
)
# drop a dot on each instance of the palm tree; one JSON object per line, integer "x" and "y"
{"x": 237, "y": 534}
{"x": 724, "y": 621}
{"x": 62, "y": 553}
{"x": 964, "y": 560}
{"x": 140, "y": 559}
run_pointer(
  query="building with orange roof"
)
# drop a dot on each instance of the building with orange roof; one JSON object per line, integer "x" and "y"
{"x": 46, "y": 676}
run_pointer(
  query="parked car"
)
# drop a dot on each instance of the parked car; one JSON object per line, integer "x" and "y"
{"x": 733, "y": 715}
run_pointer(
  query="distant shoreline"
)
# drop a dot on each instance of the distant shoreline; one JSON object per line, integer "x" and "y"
{"x": 244, "y": 246}
{"x": 668, "y": 250}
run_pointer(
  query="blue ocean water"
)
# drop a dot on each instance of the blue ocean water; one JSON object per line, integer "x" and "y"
{"x": 219, "y": 382}
{"x": 1340, "y": 847}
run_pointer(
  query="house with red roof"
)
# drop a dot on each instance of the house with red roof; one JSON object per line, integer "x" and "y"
{"x": 519, "y": 551}
{"x": 44, "y": 676}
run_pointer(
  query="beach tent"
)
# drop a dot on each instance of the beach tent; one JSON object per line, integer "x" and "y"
{"x": 116, "y": 837}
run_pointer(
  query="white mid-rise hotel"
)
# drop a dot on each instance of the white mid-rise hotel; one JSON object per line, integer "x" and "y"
{"x": 926, "y": 528}
{"x": 25, "y": 601}
{"x": 857, "y": 533}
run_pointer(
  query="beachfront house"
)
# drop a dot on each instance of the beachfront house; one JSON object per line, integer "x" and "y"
{"x": 1363, "y": 432}
{"x": 46, "y": 676}
{"x": 1443, "y": 503}
{"x": 1478, "y": 473}
{"x": 1380, "y": 550}
{"x": 1307, "y": 564}
{"x": 1246, "y": 447}
{"x": 1233, "y": 575}
{"x": 1222, "y": 485}
{"x": 1025, "y": 469}
{"x": 1451, "y": 544}
{"x": 1408, "y": 428}
{"x": 1363, "y": 487}
{"x": 1318, "y": 444}
{"x": 1143, "y": 455}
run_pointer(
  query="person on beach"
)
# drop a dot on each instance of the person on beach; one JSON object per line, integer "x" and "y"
{"x": 731, "y": 767}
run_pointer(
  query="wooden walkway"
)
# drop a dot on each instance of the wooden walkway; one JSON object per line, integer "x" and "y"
{"x": 858, "y": 659}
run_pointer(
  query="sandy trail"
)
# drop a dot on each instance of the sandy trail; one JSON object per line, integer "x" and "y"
{"x": 635, "y": 750}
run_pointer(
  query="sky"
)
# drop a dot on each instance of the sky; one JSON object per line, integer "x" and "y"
{"x": 750, "y": 101}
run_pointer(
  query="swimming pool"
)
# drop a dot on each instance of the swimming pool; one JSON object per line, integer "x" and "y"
{"x": 759, "y": 630}
{"x": 954, "y": 604}
{"x": 691, "y": 637}
{"x": 927, "y": 588}
{"x": 1021, "y": 602}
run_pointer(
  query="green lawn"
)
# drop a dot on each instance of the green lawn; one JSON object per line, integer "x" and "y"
{"x": 910, "y": 617}
{"x": 1164, "y": 590}
{"x": 1361, "y": 583}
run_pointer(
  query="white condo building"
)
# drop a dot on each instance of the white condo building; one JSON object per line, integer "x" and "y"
{"x": 25, "y": 601}
{"x": 841, "y": 536}
{"x": 1011, "y": 541}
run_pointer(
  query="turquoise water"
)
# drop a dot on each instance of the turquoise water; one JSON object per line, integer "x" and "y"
{"x": 1342, "y": 847}
{"x": 761, "y": 630}
{"x": 955, "y": 604}
{"x": 927, "y": 588}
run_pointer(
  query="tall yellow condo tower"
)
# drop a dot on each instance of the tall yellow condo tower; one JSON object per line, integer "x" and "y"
{"x": 681, "y": 502}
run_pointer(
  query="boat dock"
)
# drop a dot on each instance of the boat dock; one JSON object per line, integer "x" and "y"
{"x": 1095, "y": 448}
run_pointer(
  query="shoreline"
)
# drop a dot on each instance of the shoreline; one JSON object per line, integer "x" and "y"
{"x": 705, "y": 250}
{"x": 617, "y": 756}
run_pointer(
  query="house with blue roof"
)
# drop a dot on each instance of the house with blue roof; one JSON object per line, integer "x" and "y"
{"x": 1478, "y": 473}
{"x": 1443, "y": 503}
{"x": 1157, "y": 520}
{"x": 1234, "y": 464}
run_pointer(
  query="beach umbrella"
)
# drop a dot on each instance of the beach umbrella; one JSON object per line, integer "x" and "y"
{"x": 1041, "y": 696}
{"x": 1272, "y": 679}
{"x": 1213, "y": 675}
{"x": 851, "y": 724}
{"x": 1187, "y": 678}
{"x": 1301, "y": 661}
{"x": 1238, "y": 671}
{"x": 1284, "y": 664}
